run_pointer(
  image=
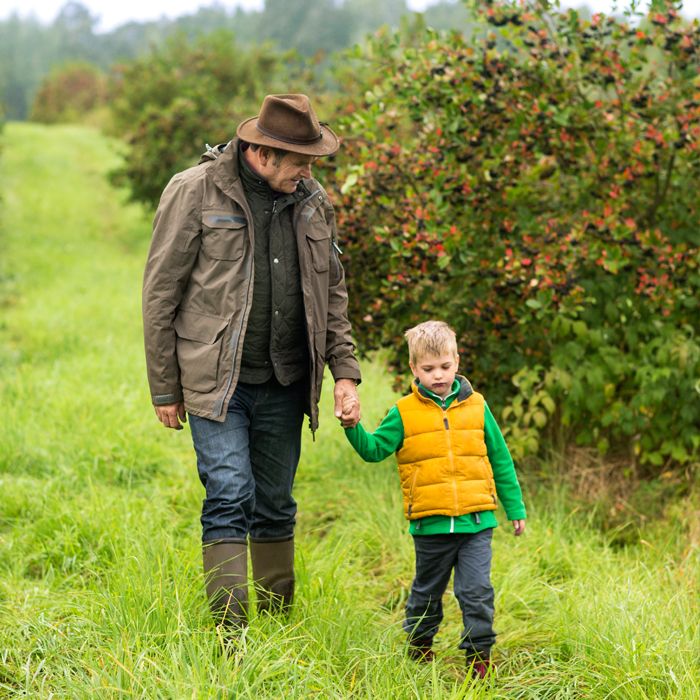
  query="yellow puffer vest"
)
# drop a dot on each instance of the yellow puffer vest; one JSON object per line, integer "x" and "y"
{"x": 443, "y": 465}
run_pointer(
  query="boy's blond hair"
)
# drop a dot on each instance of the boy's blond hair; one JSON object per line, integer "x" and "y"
{"x": 434, "y": 338}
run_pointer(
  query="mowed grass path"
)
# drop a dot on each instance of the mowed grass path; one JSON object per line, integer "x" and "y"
{"x": 101, "y": 593}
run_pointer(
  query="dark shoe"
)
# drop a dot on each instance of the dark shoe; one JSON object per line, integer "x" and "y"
{"x": 478, "y": 664}
{"x": 421, "y": 650}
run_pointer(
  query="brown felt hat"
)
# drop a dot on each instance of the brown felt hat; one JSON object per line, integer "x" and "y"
{"x": 289, "y": 122}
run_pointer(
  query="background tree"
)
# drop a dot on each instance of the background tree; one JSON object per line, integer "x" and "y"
{"x": 173, "y": 101}
{"x": 69, "y": 94}
{"x": 308, "y": 26}
{"x": 73, "y": 34}
{"x": 29, "y": 50}
{"x": 23, "y": 63}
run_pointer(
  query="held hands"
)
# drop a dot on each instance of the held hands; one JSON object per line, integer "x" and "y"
{"x": 518, "y": 527}
{"x": 347, "y": 403}
{"x": 172, "y": 415}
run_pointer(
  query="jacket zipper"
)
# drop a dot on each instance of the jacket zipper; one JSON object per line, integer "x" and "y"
{"x": 309, "y": 336}
{"x": 244, "y": 315}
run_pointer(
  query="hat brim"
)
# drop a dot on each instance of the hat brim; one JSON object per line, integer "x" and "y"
{"x": 326, "y": 146}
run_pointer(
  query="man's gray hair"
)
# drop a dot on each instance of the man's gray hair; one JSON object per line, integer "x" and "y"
{"x": 277, "y": 153}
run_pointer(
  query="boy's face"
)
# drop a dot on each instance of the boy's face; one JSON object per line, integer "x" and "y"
{"x": 436, "y": 373}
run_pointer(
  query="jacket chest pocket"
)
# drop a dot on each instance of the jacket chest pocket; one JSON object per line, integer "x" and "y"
{"x": 224, "y": 236}
{"x": 319, "y": 244}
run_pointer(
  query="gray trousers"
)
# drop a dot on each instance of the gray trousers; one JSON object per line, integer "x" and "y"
{"x": 470, "y": 557}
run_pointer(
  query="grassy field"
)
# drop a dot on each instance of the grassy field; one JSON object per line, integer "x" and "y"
{"x": 101, "y": 593}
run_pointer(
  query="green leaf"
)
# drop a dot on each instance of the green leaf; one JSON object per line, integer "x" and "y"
{"x": 548, "y": 403}
{"x": 539, "y": 418}
{"x": 349, "y": 183}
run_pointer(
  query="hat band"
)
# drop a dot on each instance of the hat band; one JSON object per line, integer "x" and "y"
{"x": 287, "y": 139}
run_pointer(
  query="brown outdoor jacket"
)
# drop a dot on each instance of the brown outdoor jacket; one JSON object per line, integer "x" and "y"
{"x": 198, "y": 287}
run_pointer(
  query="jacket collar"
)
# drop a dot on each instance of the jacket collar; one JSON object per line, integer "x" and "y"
{"x": 465, "y": 388}
{"x": 226, "y": 174}
{"x": 464, "y": 392}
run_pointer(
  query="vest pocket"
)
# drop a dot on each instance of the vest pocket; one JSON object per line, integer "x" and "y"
{"x": 412, "y": 489}
{"x": 198, "y": 347}
{"x": 488, "y": 477}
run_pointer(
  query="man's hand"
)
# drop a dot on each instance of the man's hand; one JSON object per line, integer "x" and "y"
{"x": 518, "y": 527}
{"x": 347, "y": 403}
{"x": 172, "y": 415}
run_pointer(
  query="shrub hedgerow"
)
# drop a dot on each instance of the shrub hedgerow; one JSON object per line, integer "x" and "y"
{"x": 535, "y": 185}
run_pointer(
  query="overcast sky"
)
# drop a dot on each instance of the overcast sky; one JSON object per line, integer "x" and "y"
{"x": 112, "y": 13}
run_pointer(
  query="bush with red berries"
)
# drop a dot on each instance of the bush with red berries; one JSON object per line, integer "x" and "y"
{"x": 536, "y": 185}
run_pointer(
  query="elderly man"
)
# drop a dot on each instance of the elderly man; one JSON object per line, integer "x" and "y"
{"x": 244, "y": 302}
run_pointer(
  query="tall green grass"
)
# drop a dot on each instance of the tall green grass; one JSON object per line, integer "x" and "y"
{"x": 100, "y": 571}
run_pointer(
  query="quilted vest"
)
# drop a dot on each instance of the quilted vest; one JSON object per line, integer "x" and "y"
{"x": 443, "y": 464}
{"x": 275, "y": 338}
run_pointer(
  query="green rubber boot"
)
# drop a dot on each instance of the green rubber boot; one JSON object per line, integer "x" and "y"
{"x": 226, "y": 575}
{"x": 273, "y": 574}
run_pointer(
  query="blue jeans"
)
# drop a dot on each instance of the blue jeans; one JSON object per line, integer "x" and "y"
{"x": 247, "y": 463}
{"x": 469, "y": 556}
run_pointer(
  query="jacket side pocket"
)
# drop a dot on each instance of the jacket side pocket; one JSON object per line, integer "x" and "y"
{"x": 198, "y": 348}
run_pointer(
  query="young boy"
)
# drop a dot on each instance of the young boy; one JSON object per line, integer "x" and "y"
{"x": 453, "y": 461}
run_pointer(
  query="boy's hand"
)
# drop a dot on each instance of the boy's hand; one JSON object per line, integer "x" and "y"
{"x": 347, "y": 403}
{"x": 518, "y": 527}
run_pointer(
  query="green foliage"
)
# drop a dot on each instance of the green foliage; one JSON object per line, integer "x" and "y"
{"x": 536, "y": 186}
{"x": 182, "y": 95}
{"x": 69, "y": 94}
{"x": 101, "y": 589}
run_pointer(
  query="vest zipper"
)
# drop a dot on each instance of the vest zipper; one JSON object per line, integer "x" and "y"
{"x": 451, "y": 457}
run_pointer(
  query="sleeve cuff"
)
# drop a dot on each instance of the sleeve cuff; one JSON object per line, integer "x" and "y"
{"x": 357, "y": 380}
{"x": 516, "y": 514}
{"x": 165, "y": 399}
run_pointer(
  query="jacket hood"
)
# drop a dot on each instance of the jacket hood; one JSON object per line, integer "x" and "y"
{"x": 212, "y": 153}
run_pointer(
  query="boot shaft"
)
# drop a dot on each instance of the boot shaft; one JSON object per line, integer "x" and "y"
{"x": 273, "y": 574}
{"x": 226, "y": 576}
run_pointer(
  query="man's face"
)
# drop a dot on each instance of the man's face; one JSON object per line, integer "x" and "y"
{"x": 436, "y": 373}
{"x": 288, "y": 172}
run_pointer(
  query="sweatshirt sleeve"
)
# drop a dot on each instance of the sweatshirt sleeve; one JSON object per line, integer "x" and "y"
{"x": 384, "y": 441}
{"x": 507, "y": 486}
